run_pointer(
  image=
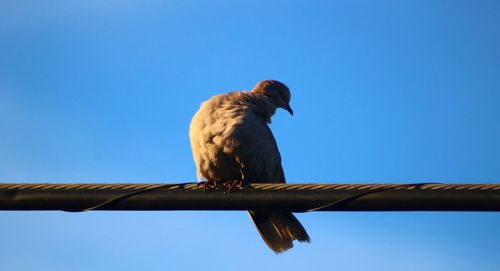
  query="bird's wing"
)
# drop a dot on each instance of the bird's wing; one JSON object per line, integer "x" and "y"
{"x": 257, "y": 152}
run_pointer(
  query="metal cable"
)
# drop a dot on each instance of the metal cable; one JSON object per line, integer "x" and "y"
{"x": 290, "y": 197}
{"x": 258, "y": 186}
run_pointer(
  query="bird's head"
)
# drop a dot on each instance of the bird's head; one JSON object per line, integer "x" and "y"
{"x": 276, "y": 91}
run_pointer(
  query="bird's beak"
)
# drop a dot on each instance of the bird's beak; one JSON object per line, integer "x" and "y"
{"x": 289, "y": 109}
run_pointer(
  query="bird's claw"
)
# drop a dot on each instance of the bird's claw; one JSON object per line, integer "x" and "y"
{"x": 233, "y": 185}
{"x": 230, "y": 186}
{"x": 208, "y": 185}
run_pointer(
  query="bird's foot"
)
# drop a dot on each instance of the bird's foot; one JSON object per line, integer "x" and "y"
{"x": 233, "y": 185}
{"x": 208, "y": 185}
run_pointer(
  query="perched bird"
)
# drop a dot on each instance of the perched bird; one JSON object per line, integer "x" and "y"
{"x": 233, "y": 144}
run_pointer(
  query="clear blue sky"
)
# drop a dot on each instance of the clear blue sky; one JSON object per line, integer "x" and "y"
{"x": 383, "y": 91}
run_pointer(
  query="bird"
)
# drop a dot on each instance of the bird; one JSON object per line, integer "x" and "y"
{"x": 233, "y": 145}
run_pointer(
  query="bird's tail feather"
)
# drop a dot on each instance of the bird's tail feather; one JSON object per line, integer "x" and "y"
{"x": 279, "y": 229}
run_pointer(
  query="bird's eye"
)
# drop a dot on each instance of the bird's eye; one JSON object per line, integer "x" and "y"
{"x": 280, "y": 92}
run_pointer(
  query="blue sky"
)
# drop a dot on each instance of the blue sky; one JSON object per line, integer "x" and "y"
{"x": 383, "y": 91}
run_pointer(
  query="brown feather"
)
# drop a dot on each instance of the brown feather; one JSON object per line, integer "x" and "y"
{"x": 279, "y": 229}
{"x": 231, "y": 140}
